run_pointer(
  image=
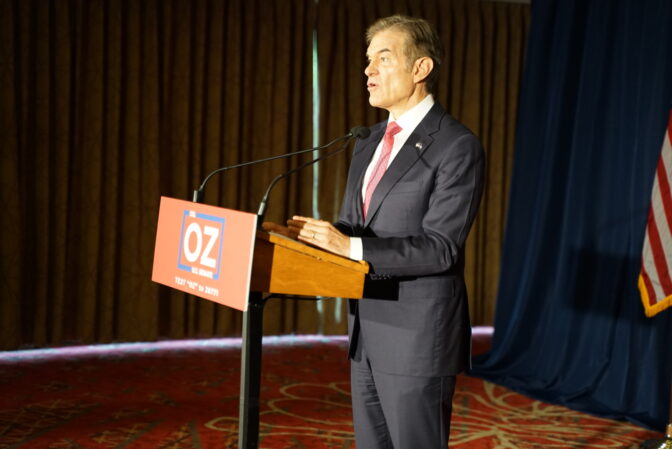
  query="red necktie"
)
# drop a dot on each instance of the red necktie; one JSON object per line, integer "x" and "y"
{"x": 381, "y": 165}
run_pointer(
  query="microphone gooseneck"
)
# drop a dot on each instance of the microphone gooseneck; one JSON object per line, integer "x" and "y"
{"x": 357, "y": 131}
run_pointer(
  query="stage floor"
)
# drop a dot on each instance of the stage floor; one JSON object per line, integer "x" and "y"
{"x": 184, "y": 394}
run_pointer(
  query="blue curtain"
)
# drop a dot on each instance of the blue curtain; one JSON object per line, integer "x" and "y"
{"x": 570, "y": 328}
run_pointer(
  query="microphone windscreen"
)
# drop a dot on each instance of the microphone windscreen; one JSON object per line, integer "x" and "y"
{"x": 360, "y": 132}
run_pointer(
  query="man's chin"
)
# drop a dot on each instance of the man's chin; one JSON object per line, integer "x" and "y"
{"x": 374, "y": 102}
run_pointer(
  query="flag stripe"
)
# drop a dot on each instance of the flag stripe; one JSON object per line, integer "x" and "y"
{"x": 662, "y": 210}
{"x": 649, "y": 270}
{"x": 663, "y": 207}
{"x": 662, "y": 269}
{"x": 664, "y": 185}
{"x": 662, "y": 235}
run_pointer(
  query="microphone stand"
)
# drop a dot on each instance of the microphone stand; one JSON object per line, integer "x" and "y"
{"x": 197, "y": 196}
{"x": 261, "y": 213}
{"x": 361, "y": 132}
{"x": 250, "y": 376}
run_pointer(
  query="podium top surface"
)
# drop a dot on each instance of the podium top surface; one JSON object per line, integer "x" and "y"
{"x": 317, "y": 253}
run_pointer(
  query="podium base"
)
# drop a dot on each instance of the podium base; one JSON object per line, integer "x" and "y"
{"x": 663, "y": 443}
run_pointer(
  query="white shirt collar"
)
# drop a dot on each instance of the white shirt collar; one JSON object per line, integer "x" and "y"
{"x": 410, "y": 119}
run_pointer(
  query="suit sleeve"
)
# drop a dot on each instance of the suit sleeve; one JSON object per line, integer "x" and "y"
{"x": 450, "y": 212}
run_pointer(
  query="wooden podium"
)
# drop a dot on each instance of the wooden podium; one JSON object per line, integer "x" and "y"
{"x": 285, "y": 266}
{"x": 218, "y": 254}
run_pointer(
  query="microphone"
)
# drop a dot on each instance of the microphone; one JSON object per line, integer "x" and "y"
{"x": 198, "y": 193}
{"x": 359, "y": 132}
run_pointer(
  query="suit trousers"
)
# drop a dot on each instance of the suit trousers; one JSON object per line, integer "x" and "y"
{"x": 399, "y": 412}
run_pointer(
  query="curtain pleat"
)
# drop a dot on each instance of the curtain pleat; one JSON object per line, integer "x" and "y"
{"x": 105, "y": 105}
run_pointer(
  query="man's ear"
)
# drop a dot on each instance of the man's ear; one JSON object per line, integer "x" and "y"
{"x": 422, "y": 68}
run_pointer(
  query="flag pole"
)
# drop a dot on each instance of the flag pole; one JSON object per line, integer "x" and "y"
{"x": 663, "y": 443}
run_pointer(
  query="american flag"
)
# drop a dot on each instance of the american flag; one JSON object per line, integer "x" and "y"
{"x": 655, "y": 277}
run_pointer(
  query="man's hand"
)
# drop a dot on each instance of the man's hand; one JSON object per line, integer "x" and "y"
{"x": 320, "y": 233}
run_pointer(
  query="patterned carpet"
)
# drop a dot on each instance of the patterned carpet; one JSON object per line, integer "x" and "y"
{"x": 185, "y": 395}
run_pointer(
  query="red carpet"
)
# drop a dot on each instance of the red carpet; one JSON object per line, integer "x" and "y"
{"x": 185, "y": 395}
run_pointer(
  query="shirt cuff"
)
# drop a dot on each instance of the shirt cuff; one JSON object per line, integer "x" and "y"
{"x": 356, "y": 249}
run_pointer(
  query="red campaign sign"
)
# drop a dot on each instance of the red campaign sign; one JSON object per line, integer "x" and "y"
{"x": 205, "y": 250}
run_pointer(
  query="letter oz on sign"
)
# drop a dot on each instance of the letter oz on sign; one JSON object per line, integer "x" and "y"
{"x": 201, "y": 244}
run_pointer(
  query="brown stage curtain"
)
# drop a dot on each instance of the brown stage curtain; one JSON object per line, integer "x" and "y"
{"x": 480, "y": 79}
{"x": 107, "y": 105}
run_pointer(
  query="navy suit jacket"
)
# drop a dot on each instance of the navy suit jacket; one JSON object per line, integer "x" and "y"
{"x": 414, "y": 319}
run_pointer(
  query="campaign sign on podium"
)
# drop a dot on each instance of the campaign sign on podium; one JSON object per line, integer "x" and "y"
{"x": 205, "y": 250}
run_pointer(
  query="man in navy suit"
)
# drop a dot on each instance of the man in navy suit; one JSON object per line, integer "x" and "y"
{"x": 413, "y": 190}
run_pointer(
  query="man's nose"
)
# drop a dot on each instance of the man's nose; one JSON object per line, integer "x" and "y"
{"x": 370, "y": 69}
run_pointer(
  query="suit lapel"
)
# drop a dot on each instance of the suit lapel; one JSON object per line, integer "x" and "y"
{"x": 419, "y": 140}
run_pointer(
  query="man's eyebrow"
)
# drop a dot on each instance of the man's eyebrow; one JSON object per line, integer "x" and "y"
{"x": 382, "y": 50}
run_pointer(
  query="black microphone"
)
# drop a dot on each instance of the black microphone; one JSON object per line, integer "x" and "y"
{"x": 198, "y": 193}
{"x": 359, "y": 132}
